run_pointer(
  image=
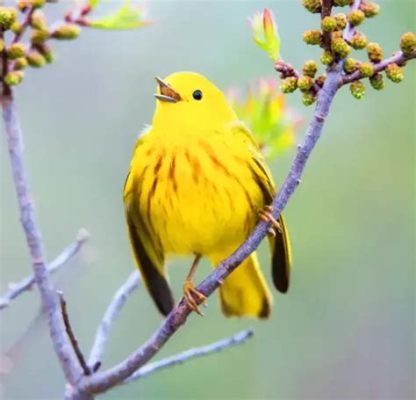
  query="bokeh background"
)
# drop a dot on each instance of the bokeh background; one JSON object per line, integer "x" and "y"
{"x": 346, "y": 330}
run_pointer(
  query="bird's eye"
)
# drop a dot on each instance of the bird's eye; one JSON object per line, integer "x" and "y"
{"x": 197, "y": 95}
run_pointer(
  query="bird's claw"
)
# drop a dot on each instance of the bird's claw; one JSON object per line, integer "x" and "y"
{"x": 266, "y": 215}
{"x": 193, "y": 297}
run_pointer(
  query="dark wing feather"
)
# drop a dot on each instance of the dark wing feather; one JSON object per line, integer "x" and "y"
{"x": 149, "y": 259}
{"x": 279, "y": 244}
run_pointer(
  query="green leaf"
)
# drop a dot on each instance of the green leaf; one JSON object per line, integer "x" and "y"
{"x": 93, "y": 3}
{"x": 265, "y": 33}
{"x": 274, "y": 125}
{"x": 126, "y": 17}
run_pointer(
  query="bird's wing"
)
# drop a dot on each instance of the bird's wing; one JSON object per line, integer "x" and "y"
{"x": 149, "y": 256}
{"x": 279, "y": 244}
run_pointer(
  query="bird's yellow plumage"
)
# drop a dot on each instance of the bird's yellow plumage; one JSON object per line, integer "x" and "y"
{"x": 196, "y": 183}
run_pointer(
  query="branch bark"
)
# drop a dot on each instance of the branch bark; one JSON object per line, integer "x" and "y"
{"x": 49, "y": 297}
{"x": 110, "y": 315}
{"x": 399, "y": 58}
{"x": 238, "y": 338}
{"x": 102, "y": 381}
{"x": 16, "y": 289}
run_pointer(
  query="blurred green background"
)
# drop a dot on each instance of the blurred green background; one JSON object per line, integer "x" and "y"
{"x": 346, "y": 330}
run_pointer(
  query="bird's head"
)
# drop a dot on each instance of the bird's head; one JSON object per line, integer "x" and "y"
{"x": 188, "y": 102}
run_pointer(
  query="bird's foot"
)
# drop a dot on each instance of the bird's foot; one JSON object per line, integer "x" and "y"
{"x": 266, "y": 215}
{"x": 193, "y": 297}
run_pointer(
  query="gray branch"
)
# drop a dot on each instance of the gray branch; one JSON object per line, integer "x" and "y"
{"x": 399, "y": 58}
{"x": 102, "y": 381}
{"x": 110, "y": 315}
{"x": 16, "y": 289}
{"x": 238, "y": 338}
{"x": 49, "y": 297}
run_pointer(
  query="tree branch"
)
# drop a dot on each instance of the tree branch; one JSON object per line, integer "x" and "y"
{"x": 238, "y": 338}
{"x": 399, "y": 58}
{"x": 326, "y": 12}
{"x": 16, "y": 289}
{"x": 110, "y": 315}
{"x": 350, "y": 29}
{"x": 71, "y": 335}
{"x": 102, "y": 381}
{"x": 49, "y": 297}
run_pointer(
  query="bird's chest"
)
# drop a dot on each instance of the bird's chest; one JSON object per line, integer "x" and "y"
{"x": 198, "y": 200}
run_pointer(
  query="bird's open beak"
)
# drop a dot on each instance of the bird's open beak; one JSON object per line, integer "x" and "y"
{"x": 166, "y": 94}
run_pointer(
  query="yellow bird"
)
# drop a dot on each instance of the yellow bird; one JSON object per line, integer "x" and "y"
{"x": 196, "y": 185}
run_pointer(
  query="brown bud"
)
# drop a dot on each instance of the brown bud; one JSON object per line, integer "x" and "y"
{"x": 355, "y": 17}
{"x": 374, "y": 52}
{"x": 310, "y": 68}
{"x": 313, "y": 6}
{"x": 16, "y": 50}
{"x": 359, "y": 40}
{"x": 408, "y": 43}
{"x": 341, "y": 21}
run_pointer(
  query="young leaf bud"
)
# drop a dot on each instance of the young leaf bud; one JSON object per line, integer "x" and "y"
{"x": 46, "y": 51}
{"x": 13, "y": 78}
{"x": 359, "y": 41}
{"x": 342, "y": 3}
{"x": 308, "y": 99}
{"x": 16, "y": 50}
{"x": 366, "y": 69}
{"x": 66, "y": 32}
{"x": 313, "y": 6}
{"x": 327, "y": 58}
{"x": 312, "y": 37}
{"x": 341, "y": 21}
{"x": 35, "y": 59}
{"x": 320, "y": 80}
{"x": 357, "y": 89}
{"x": 394, "y": 73}
{"x": 23, "y": 4}
{"x": 408, "y": 43}
{"x": 310, "y": 68}
{"x": 369, "y": 9}
{"x": 20, "y": 63}
{"x": 305, "y": 83}
{"x": 16, "y": 27}
{"x": 336, "y": 35}
{"x": 328, "y": 24}
{"x": 355, "y": 17}
{"x": 37, "y": 36}
{"x": 38, "y": 20}
{"x": 288, "y": 85}
{"x": 377, "y": 81}
{"x": 340, "y": 47}
{"x": 374, "y": 52}
{"x": 37, "y": 3}
{"x": 8, "y": 16}
{"x": 350, "y": 65}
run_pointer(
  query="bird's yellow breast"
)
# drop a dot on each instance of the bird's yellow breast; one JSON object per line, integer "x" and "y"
{"x": 198, "y": 195}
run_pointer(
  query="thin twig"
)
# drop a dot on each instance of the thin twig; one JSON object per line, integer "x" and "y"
{"x": 71, "y": 335}
{"x": 238, "y": 338}
{"x": 110, "y": 315}
{"x": 26, "y": 21}
{"x": 49, "y": 298}
{"x": 286, "y": 70}
{"x": 399, "y": 58}
{"x": 350, "y": 29}
{"x": 16, "y": 289}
